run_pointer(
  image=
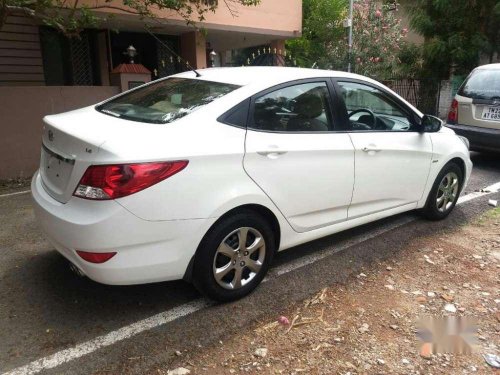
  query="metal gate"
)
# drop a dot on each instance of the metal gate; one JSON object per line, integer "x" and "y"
{"x": 422, "y": 93}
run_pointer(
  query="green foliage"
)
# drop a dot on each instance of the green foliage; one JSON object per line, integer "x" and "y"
{"x": 71, "y": 18}
{"x": 456, "y": 33}
{"x": 379, "y": 39}
{"x": 380, "y": 49}
{"x": 322, "y": 27}
{"x": 410, "y": 62}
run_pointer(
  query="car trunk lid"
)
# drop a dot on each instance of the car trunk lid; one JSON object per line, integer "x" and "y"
{"x": 73, "y": 141}
{"x": 478, "y": 112}
{"x": 68, "y": 148}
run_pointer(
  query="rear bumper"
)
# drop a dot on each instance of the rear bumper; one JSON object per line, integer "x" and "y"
{"x": 479, "y": 138}
{"x": 147, "y": 251}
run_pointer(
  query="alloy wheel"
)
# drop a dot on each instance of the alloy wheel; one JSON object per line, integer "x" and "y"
{"x": 447, "y": 192}
{"x": 239, "y": 258}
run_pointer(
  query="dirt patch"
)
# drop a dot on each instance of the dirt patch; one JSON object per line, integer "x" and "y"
{"x": 369, "y": 325}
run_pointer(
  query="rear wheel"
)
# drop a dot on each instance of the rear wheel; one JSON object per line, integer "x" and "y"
{"x": 444, "y": 193}
{"x": 234, "y": 256}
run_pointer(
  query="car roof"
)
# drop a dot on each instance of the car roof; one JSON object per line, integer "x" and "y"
{"x": 489, "y": 66}
{"x": 257, "y": 78}
{"x": 247, "y": 75}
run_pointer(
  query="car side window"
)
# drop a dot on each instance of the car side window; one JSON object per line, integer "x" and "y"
{"x": 237, "y": 116}
{"x": 370, "y": 109}
{"x": 298, "y": 108}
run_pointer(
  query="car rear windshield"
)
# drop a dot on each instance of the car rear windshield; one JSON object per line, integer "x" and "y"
{"x": 165, "y": 101}
{"x": 482, "y": 84}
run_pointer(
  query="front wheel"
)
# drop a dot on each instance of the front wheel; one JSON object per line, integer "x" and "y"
{"x": 234, "y": 256}
{"x": 444, "y": 193}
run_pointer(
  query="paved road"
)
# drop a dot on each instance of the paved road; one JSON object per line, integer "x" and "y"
{"x": 45, "y": 309}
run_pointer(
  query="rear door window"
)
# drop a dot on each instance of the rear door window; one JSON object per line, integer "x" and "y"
{"x": 297, "y": 108}
{"x": 483, "y": 84}
{"x": 237, "y": 116}
{"x": 165, "y": 101}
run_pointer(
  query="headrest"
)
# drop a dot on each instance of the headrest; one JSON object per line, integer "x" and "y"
{"x": 308, "y": 105}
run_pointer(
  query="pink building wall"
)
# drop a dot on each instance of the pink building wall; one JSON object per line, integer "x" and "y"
{"x": 277, "y": 17}
{"x": 21, "y": 116}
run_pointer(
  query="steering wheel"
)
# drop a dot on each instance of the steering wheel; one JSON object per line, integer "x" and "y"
{"x": 366, "y": 110}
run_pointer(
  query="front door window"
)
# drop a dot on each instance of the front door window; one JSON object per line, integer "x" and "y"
{"x": 370, "y": 109}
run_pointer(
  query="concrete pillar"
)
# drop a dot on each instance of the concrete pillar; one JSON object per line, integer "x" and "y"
{"x": 102, "y": 58}
{"x": 193, "y": 49}
{"x": 129, "y": 76}
{"x": 279, "y": 45}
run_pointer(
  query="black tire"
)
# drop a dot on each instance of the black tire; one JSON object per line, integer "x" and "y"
{"x": 204, "y": 267}
{"x": 431, "y": 210}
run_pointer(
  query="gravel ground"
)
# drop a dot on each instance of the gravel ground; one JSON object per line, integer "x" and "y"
{"x": 368, "y": 324}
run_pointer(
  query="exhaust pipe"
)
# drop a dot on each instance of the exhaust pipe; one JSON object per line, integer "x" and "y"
{"x": 76, "y": 270}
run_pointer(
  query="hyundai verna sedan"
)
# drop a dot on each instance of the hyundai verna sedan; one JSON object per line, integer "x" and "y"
{"x": 206, "y": 178}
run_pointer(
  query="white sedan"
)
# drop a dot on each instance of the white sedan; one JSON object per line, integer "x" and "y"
{"x": 206, "y": 177}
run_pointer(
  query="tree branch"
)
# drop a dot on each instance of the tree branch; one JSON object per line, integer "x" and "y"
{"x": 234, "y": 13}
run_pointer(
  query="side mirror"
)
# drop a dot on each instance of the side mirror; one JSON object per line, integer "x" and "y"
{"x": 431, "y": 124}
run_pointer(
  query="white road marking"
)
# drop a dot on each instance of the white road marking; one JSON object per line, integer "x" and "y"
{"x": 16, "y": 193}
{"x": 175, "y": 313}
{"x": 495, "y": 188}
{"x": 90, "y": 346}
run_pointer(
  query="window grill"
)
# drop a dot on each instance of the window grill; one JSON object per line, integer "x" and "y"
{"x": 81, "y": 62}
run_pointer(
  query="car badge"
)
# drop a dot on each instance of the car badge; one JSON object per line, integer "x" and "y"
{"x": 51, "y": 135}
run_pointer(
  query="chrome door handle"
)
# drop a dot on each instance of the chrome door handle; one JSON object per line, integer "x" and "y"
{"x": 271, "y": 153}
{"x": 268, "y": 152}
{"x": 371, "y": 149}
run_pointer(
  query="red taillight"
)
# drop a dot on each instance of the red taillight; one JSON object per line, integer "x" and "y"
{"x": 103, "y": 182}
{"x": 453, "y": 114}
{"x": 95, "y": 257}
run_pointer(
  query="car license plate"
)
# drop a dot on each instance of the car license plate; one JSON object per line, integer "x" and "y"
{"x": 55, "y": 169}
{"x": 491, "y": 113}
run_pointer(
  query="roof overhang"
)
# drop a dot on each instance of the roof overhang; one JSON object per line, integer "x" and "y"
{"x": 221, "y": 37}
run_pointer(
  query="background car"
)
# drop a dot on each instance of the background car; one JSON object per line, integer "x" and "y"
{"x": 206, "y": 177}
{"x": 475, "y": 111}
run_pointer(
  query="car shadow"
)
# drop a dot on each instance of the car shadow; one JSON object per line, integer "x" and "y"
{"x": 52, "y": 292}
{"x": 45, "y": 287}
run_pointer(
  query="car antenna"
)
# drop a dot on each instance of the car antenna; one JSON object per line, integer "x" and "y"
{"x": 172, "y": 51}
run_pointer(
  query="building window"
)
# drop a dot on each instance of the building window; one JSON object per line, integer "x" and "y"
{"x": 81, "y": 60}
{"x": 69, "y": 62}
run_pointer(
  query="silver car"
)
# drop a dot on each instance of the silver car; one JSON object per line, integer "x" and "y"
{"x": 475, "y": 111}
